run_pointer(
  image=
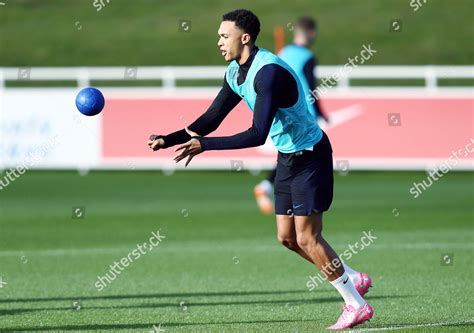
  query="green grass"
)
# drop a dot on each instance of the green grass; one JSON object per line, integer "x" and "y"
{"x": 145, "y": 32}
{"x": 220, "y": 258}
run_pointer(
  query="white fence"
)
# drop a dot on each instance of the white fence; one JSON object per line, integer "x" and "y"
{"x": 40, "y": 126}
{"x": 169, "y": 74}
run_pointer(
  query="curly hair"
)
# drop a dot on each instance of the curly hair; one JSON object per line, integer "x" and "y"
{"x": 245, "y": 20}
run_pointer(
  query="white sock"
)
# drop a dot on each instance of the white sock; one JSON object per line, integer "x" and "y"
{"x": 348, "y": 292}
{"x": 266, "y": 186}
{"x": 353, "y": 275}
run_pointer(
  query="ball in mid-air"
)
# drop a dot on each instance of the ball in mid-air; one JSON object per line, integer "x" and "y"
{"x": 90, "y": 101}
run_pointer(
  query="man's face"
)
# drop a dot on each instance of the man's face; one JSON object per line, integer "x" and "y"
{"x": 309, "y": 36}
{"x": 231, "y": 40}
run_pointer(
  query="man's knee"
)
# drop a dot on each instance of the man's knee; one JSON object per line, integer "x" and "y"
{"x": 308, "y": 239}
{"x": 288, "y": 241}
{"x": 309, "y": 230}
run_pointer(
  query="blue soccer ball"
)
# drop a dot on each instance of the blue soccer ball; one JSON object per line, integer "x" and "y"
{"x": 90, "y": 101}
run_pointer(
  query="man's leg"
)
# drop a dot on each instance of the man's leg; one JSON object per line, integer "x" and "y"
{"x": 287, "y": 235}
{"x": 309, "y": 238}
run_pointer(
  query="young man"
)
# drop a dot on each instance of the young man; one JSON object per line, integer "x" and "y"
{"x": 304, "y": 179}
{"x": 300, "y": 58}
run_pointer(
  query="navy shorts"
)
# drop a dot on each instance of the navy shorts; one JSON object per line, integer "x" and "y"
{"x": 304, "y": 180}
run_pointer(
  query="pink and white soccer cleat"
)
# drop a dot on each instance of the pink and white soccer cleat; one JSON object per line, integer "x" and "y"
{"x": 351, "y": 317}
{"x": 363, "y": 283}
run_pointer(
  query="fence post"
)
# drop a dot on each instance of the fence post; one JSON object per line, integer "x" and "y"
{"x": 344, "y": 82}
{"x": 169, "y": 80}
{"x": 83, "y": 77}
{"x": 2, "y": 79}
{"x": 430, "y": 78}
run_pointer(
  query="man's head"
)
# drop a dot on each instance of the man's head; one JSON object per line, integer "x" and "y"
{"x": 238, "y": 30}
{"x": 305, "y": 31}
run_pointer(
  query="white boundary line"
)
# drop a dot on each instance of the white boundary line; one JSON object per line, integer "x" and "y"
{"x": 395, "y": 328}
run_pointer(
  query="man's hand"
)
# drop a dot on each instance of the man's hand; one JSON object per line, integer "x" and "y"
{"x": 156, "y": 142}
{"x": 190, "y": 148}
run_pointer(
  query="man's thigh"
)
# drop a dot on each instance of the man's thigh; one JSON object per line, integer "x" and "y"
{"x": 282, "y": 188}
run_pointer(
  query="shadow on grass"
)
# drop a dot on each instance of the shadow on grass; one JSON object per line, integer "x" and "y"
{"x": 176, "y": 305}
{"x": 158, "y": 295}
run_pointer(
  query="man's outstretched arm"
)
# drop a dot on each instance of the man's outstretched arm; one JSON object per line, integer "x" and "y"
{"x": 207, "y": 123}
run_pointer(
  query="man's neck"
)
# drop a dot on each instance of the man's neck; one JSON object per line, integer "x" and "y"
{"x": 245, "y": 54}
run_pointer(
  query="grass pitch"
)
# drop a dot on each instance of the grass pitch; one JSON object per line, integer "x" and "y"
{"x": 147, "y": 32}
{"x": 220, "y": 268}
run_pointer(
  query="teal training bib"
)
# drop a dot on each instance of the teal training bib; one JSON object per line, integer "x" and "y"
{"x": 296, "y": 57}
{"x": 294, "y": 128}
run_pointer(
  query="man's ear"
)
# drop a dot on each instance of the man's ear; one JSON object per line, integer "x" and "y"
{"x": 245, "y": 39}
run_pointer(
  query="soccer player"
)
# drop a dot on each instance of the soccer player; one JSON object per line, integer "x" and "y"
{"x": 304, "y": 178}
{"x": 300, "y": 58}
